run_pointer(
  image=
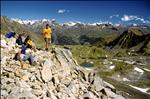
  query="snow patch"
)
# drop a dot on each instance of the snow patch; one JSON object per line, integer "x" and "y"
{"x": 140, "y": 89}
{"x": 130, "y": 62}
{"x": 117, "y": 60}
{"x": 112, "y": 67}
{"x": 139, "y": 70}
{"x": 146, "y": 69}
{"x": 125, "y": 79}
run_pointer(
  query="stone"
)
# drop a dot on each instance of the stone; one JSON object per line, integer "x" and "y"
{"x": 32, "y": 78}
{"x": 51, "y": 95}
{"x": 4, "y": 93}
{"x": 46, "y": 73}
{"x": 108, "y": 92}
{"x": 25, "y": 66}
{"x": 74, "y": 88}
{"x": 3, "y": 60}
{"x": 37, "y": 92}
{"x": 8, "y": 69}
{"x": 3, "y": 43}
{"x": 98, "y": 83}
{"x": 119, "y": 97}
{"x": 51, "y": 86}
{"x": 55, "y": 79}
{"x": 38, "y": 76}
{"x": 91, "y": 78}
{"x": 36, "y": 85}
{"x": 48, "y": 63}
{"x": 88, "y": 95}
{"x": 108, "y": 85}
{"x": 25, "y": 78}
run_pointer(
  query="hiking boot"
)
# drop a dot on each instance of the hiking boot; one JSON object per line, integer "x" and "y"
{"x": 34, "y": 63}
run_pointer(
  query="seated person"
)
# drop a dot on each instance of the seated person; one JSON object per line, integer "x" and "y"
{"x": 29, "y": 42}
{"x": 23, "y": 55}
{"x": 19, "y": 40}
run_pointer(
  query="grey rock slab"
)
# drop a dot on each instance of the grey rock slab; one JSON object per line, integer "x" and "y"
{"x": 46, "y": 73}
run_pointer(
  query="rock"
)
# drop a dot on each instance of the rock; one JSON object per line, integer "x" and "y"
{"x": 8, "y": 69}
{"x": 51, "y": 95}
{"x": 48, "y": 63}
{"x": 36, "y": 85}
{"x": 98, "y": 83}
{"x": 25, "y": 66}
{"x": 91, "y": 78}
{"x": 32, "y": 78}
{"x": 4, "y": 93}
{"x": 3, "y": 43}
{"x": 51, "y": 86}
{"x": 108, "y": 92}
{"x": 118, "y": 97}
{"x": 25, "y": 78}
{"x": 46, "y": 73}
{"x": 3, "y": 60}
{"x": 108, "y": 85}
{"x": 55, "y": 79}
{"x": 37, "y": 92}
{"x": 88, "y": 95}
{"x": 66, "y": 81}
{"x": 74, "y": 88}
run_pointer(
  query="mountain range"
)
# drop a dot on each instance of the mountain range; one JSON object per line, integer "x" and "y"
{"x": 74, "y": 33}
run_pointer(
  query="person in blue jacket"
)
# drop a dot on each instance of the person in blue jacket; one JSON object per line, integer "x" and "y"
{"x": 19, "y": 40}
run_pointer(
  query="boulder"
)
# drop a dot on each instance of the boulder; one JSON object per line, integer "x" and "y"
{"x": 46, "y": 72}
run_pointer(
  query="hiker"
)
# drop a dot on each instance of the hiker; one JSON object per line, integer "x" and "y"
{"x": 24, "y": 54}
{"x": 29, "y": 42}
{"x": 19, "y": 40}
{"x": 47, "y": 36}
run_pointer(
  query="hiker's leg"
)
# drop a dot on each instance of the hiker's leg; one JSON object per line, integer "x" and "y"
{"x": 29, "y": 58}
{"x": 49, "y": 41}
{"x": 46, "y": 41}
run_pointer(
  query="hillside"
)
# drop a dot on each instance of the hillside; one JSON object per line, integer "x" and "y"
{"x": 55, "y": 76}
{"x": 133, "y": 38}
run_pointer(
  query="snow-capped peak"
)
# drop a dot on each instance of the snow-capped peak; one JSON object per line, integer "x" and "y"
{"x": 31, "y": 22}
{"x": 70, "y": 23}
{"x": 24, "y": 21}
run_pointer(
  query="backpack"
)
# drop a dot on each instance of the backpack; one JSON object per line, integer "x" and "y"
{"x": 10, "y": 34}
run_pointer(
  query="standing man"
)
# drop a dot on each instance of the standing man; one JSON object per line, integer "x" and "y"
{"x": 47, "y": 36}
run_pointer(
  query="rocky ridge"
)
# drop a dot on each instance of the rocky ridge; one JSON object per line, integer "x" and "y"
{"x": 55, "y": 76}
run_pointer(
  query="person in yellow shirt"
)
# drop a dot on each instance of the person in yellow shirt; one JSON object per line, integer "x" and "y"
{"x": 29, "y": 42}
{"x": 47, "y": 32}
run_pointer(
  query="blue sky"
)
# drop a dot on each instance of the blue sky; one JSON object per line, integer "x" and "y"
{"x": 84, "y": 11}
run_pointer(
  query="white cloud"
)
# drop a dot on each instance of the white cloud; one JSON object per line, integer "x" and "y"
{"x": 128, "y": 17}
{"x": 114, "y": 16}
{"x": 133, "y": 17}
{"x": 61, "y": 11}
